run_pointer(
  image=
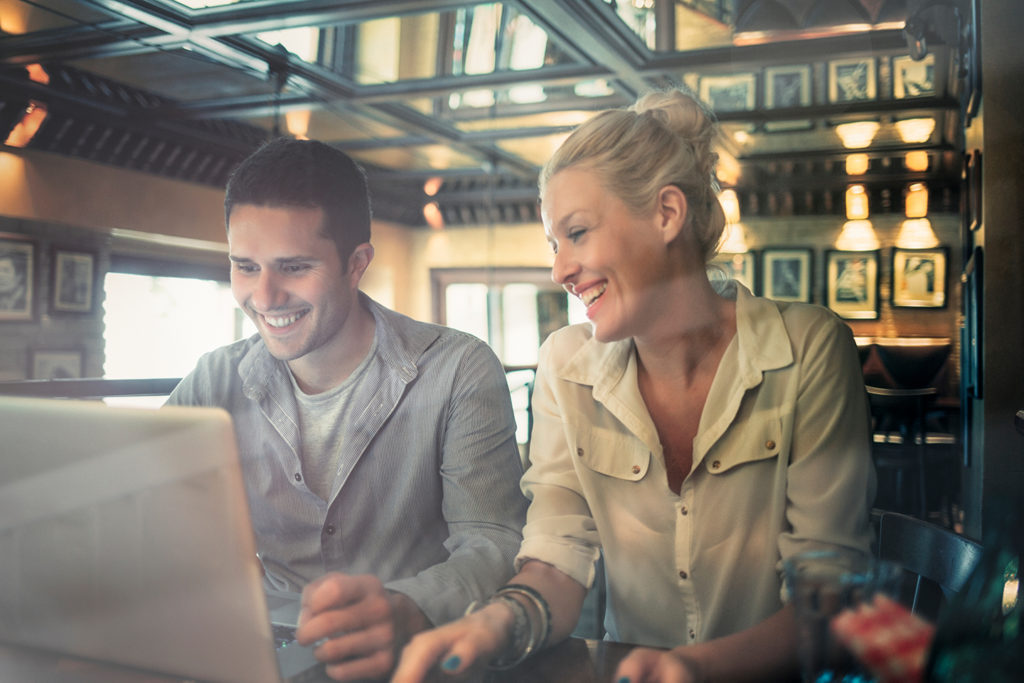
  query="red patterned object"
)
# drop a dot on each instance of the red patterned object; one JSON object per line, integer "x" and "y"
{"x": 886, "y": 638}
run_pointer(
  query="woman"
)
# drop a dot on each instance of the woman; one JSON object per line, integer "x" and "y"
{"x": 696, "y": 435}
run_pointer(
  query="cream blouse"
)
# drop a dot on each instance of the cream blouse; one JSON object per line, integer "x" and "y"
{"x": 781, "y": 463}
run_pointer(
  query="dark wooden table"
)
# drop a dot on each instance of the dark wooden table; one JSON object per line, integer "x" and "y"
{"x": 573, "y": 661}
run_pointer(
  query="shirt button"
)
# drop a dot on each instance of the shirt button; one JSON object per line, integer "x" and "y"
{"x": 579, "y": 452}
{"x": 329, "y": 529}
{"x": 298, "y": 477}
{"x": 636, "y": 469}
{"x": 684, "y": 511}
{"x": 683, "y": 575}
{"x": 769, "y": 444}
{"x": 716, "y": 464}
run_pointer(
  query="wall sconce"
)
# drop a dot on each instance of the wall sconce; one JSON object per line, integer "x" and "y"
{"x": 857, "y": 164}
{"x": 734, "y": 238}
{"x": 857, "y": 135}
{"x": 857, "y": 235}
{"x": 917, "y": 200}
{"x": 916, "y": 160}
{"x": 916, "y": 232}
{"x": 730, "y": 205}
{"x": 915, "y": 130}
{"x": 856, "y": 202}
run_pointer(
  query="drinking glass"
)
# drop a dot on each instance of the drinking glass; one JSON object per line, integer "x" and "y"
{"x": 821, "y": 584}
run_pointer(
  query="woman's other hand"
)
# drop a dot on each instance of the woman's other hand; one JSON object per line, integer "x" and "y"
{"x": 644, "y": 665}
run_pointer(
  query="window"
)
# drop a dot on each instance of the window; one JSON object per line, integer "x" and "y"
{"x": 513, "y": 310}
{"x": 159, "y": 326}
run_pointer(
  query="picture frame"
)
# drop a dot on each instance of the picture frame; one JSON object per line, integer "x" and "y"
{"x": 74, "y": 281}
{"x": 17, "y": 278}
{"x": 739, "y": 267}
{"x": 851, "y": 80}
{"x": 851, "y": 283}
{"x": 913, "y": 78}
{"x": 734, "y": 92}
{"x": 919, "y": 277}
{"x": 57, "y": 363}
{"x": 786, "y": 273}
{"x": 787, "y": 87}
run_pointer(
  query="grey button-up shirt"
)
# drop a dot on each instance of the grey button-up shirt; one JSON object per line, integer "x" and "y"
{"x": 427, "y": 497}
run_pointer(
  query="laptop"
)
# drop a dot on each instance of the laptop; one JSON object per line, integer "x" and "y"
{"x": 125, "y": 537}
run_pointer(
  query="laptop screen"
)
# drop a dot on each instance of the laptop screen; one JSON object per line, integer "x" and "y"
{"x": 125, "y": 537}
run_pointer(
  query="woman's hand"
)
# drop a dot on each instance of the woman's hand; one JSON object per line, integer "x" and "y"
{"x": 644, "y": 665}
{"x": 459, "y": 647}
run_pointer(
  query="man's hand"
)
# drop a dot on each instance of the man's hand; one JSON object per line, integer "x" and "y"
{"x": 358, "y": 626}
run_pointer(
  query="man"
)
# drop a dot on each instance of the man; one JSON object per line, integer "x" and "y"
{"x": 378, "y": 452}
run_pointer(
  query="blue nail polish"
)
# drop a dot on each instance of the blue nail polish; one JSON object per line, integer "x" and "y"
{"x": 624, "y": 679}
{"x": 452, "y": 663}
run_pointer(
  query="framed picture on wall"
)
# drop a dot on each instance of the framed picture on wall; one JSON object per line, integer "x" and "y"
{"x": 912, "y": 78}
{"x": 787, "y": 86}
{"x": 919, "y": 277}
{"x": 739, "y": 267}
{"x": 17, "y": 277}
{"x": 786, "y": 274}
{"x": 851, "y": 80}
{"x": 851, "y": 283}
{"x": 74, "y": 281}
{"x": 57, "y": 364}
{"x": 734, "y": 92}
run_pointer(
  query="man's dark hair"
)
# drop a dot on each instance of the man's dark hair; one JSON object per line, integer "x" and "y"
{"x": 305, "y": 173}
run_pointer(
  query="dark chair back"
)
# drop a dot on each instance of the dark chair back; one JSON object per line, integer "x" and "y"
{"x": 937, "y": 560}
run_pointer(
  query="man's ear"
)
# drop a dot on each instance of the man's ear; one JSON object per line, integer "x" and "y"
{"x": 672, "y": 212}
{"x": 358, "y": 261}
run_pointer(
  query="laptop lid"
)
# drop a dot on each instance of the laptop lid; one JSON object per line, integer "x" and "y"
{"x": 125, "y": 537}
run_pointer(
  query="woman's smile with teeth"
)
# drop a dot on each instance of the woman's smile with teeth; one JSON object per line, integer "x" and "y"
{"x": 591, "y": 295}
{"x": 283, "y": 320}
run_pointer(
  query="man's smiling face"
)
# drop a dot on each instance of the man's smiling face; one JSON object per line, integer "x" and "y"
{"x": 289, "y": 279}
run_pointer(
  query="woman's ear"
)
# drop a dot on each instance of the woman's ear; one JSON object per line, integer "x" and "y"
{"x": 672, "y": 211}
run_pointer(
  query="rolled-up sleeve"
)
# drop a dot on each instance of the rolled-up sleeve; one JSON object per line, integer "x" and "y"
{"x": 560, "y": 529}
{"x": 831, "y": 476}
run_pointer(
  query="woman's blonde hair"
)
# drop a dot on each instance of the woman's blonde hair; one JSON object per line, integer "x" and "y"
{"x": 664, "y": 139}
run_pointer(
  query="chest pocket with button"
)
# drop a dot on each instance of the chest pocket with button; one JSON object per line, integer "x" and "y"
{"x": 611, "y": 453}
{"x": 751, "y": 440}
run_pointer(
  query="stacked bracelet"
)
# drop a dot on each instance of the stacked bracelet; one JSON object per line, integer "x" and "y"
{"x": 531, "y": 622}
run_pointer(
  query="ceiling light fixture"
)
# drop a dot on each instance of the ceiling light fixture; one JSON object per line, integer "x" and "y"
{"x": 857, "y": 135}
{"x": 433, "y": 216}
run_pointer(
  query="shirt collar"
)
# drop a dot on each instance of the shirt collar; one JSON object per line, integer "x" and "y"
{"x": 760, "y": 335}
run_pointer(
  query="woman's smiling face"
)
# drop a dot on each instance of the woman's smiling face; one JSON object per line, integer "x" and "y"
{"x": 607, "y": 256}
